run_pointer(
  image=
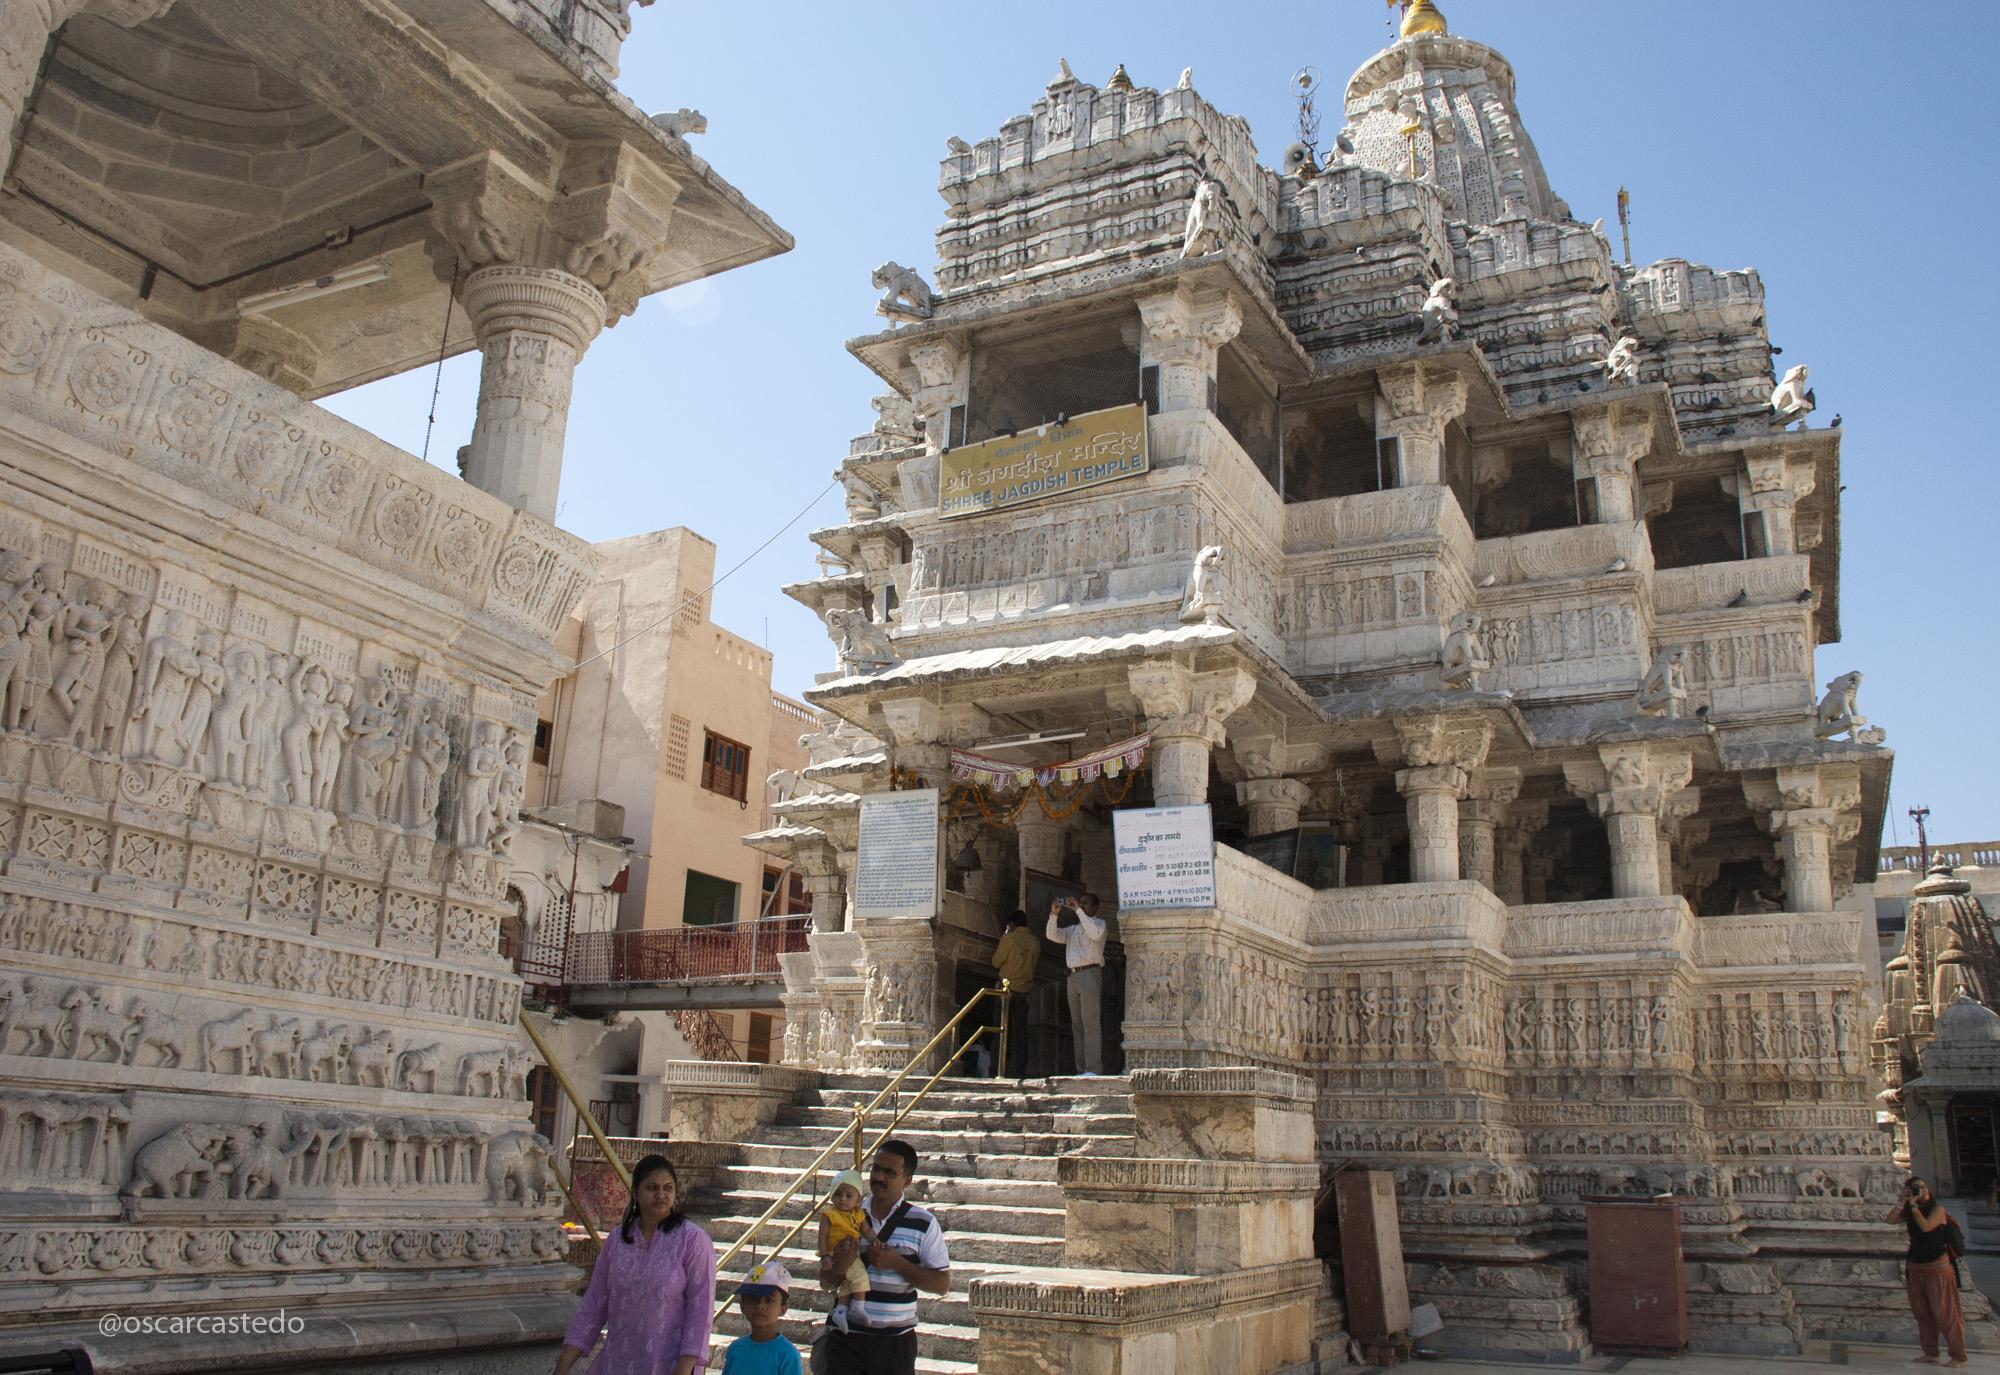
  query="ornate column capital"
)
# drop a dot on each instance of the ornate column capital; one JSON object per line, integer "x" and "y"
{"x": 1631, "y": 779}
{"x": 1455, "y": 740}
{"x": 1606, "y": 446}
{"x": 1180, "y": 334}
{"x": 1180, "y": 702}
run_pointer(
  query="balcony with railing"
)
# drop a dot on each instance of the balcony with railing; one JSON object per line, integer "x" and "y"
{"x": 1909, "y": 858}
{"x": 732, "y": 965}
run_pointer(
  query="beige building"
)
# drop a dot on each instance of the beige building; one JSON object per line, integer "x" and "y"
{"x": 672, "y": 717}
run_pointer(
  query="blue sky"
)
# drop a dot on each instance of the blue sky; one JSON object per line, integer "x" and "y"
{"x": 1842, "y": 149}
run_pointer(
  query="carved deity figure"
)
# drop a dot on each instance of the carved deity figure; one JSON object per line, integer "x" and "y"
{"x": 905, "y": 294}
{"x": 163, "y": 688}
{"x": 308, "y": 688}
{"x": 329, "y": 744}
{"x": 112, "y": 709}
{"x": 1621, "y": 363}
{"x": 204, "y": 687}
{"x": 1465, "y": 659}
{"x": 477, "y": 775}
{"x": 265, "y": 727}
{"x": 1440, "y": 311}
{"x": 1838, "y": 713}
{"x": 423, "y": 773}
{"x": 229, "y": 720}
{"x": 36, "y": 672}
{"x": 864, "y": 646}
{"x": 1791, "y": 399}
{"x": 1204, "y": 230}
{"x": 509, "y": 790}
{"x": 1664, "y": 690}
{"x": 1203, "y": 600}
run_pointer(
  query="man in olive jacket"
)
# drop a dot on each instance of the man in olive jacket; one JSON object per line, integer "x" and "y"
{"x": 1015, "y": 959}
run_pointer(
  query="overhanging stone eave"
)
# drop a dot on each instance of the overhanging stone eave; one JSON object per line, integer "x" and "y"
{"x": 886, "y": 353}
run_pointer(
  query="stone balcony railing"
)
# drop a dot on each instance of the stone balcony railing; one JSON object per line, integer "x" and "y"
{"x": 1983, "y": 854}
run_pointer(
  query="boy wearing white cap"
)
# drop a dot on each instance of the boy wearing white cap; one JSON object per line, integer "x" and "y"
{"x": 762, "y": 1296}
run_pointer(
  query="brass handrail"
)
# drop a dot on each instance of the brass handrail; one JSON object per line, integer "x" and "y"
{"x": 860, "y": 1121}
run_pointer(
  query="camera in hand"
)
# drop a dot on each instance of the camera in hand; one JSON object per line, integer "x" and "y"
{"x": 1066, "y": 917}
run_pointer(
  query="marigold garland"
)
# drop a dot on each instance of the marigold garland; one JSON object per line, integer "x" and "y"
{"x": 1056, "y": 804}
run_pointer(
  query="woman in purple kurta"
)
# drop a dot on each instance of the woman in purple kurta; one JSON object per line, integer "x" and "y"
{"x": 654, "y": 1285}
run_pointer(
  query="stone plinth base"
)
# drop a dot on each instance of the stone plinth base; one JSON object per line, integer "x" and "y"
{"x": 717, "y": 1100}
{"x": 1498, "y": 1312}
{"x": 491, "y": 1336}
{"x": 1202, "y": 1215}
{"x": 1223, "y": 1114}
{"x": 1107, "y": 1322}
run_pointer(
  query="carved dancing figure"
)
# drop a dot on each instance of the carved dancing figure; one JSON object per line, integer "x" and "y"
{"x": 1440, "y": 311}
{"x": 37, "y": 669}
{"x": 477, "y": 773}
{"x": 1791, "y": 399}
{"x": 905, "y": 294}
{"x": 423, "y": 774}
{"x": 365, "y": 769}
{"x": 1204, "y": 598}
{"x": 1621, "y": 363}
{"x": 1465, "y": 658}
{"x": 330, "y": 745}
{"x": 267, "y": 720}
{"x": 308, "y": 688}
{"x": 1203, "y": 231}
{"x": 84, "y": 631}
{"x": 1664, "y": 690}
{"x": 510, "y": 789}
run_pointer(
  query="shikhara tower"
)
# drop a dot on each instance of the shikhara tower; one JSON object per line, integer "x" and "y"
{"x": 1525, "y": 558}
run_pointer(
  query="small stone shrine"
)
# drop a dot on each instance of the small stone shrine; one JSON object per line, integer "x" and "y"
{"x": 1379, "y": 506}
{"x": 267, "y": 683}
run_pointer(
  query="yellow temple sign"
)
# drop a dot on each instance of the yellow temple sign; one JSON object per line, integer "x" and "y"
{"x": 1053, "y": 460}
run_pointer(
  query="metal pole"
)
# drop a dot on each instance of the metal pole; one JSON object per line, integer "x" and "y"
{"x": 1006, "y": 1006}
{"x": 576, "y": 1100}
{"x": 860, "y": 1117}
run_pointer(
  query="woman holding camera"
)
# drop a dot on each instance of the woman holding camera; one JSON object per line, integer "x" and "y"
{"x": 1933, "y": 1275}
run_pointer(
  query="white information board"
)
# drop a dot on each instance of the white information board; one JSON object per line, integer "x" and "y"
{"x": 1166, "y": 857}
{"x": 896, "y": 870}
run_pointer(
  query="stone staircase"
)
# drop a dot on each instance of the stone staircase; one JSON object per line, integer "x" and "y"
{"x": 987, "y": 1154}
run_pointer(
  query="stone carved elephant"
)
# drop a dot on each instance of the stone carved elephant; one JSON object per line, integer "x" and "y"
{"x": 180, "y": 1164}
{"x": 517, "y": 1168}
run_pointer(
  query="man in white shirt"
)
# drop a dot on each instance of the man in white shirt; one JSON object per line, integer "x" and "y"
{"x": 1082, "y": 940}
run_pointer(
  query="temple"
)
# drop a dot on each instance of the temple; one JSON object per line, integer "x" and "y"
{"x": 1474, "y": 579}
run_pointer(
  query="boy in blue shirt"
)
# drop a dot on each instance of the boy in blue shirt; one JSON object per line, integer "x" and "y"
{"x": 762, "y": 1296}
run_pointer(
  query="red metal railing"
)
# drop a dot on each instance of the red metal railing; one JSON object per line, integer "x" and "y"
{"x": 740, "y": 952}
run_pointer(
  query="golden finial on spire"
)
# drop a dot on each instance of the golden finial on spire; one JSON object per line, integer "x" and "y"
{"x": 1119, "y": 80}
{"x": 1420, "y": 16}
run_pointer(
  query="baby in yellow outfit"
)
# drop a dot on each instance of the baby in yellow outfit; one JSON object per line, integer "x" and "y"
{"x": 840, "y": 1220}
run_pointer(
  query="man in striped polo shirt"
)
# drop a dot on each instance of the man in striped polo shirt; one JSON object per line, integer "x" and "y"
{"x": 909, "y": 1255}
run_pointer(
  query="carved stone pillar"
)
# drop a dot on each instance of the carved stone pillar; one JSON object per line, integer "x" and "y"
{"x": 1414, "y": 408}
{"x": 1802, "y": 808}
{"x": 1040, "y": 843}
{"x": 1185, "y": 712}
{"x": 1491, "y": 792}
{"x": 829, "y": 895}
{"x": 1629, "y": 787}
{"x": 1510, "y": 876}
{"x": 533, "y": 324}
{"x": 539, "y": 270}
{"x": 1768, "y": 494}
{"x": 25, "y": 26}
{"x": 1181, "y": 335}
{"x": 1440, "y": 753}
{"x": 1273, "y": 803}
{"x": 1674, "y": 813}
{"x": 1607, "y": 445}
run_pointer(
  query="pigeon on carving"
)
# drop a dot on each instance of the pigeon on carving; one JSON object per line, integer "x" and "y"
{"x": 1741, "y": 598}
{"x": 1489, "y": 580}
{"x": 1804, "y": 596}
{"x": 1617, "y": 566}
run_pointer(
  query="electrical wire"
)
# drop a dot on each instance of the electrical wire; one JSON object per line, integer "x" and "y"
{"x": 692, "y": 600}
{"x": 437, "y": 381}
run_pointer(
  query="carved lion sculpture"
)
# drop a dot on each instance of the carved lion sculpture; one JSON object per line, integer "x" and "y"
{"x": 1440, "y": 311}
{"x": 517, "y": 1169}
{"x": 905, "y": 293}
{"x": 1203, "y": 598}
{"x": 1838, "y": 710}
{"x": 1203, "y": 229}
{"x": 1465, "y": 659}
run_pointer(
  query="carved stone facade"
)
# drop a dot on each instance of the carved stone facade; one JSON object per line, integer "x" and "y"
{"x": 267, "y": 684}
